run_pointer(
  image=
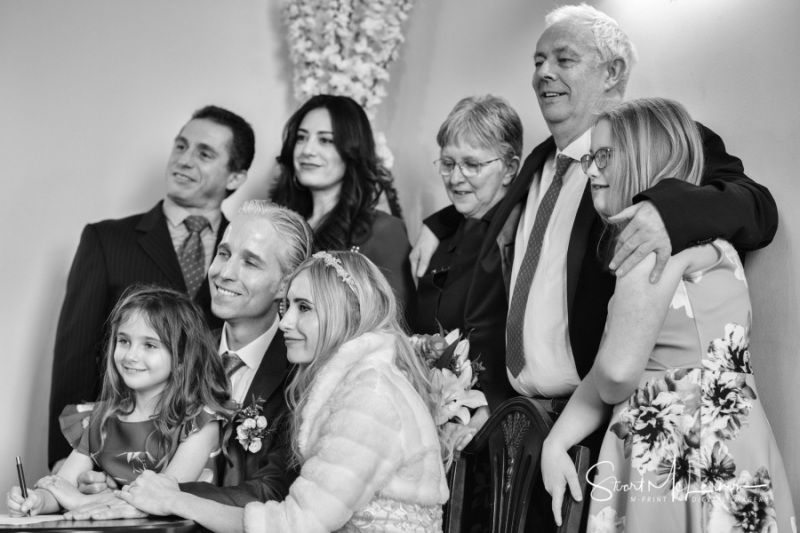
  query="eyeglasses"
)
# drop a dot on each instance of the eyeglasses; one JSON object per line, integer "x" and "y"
{"x": 469, "y": 169}
{"x": 600, "y": 158}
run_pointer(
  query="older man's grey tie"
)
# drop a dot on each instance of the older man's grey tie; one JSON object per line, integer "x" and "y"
{"x": 515, "y": 356}
{"x": 192, "y": 256}
{"x": 231, "y": 363}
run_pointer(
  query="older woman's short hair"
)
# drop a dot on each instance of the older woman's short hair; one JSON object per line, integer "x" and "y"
{"x": 611, "y": 42}
{"x": 484, "y": 121}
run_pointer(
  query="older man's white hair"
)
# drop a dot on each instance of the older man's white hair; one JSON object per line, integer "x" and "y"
{"x": 611, "y": 42}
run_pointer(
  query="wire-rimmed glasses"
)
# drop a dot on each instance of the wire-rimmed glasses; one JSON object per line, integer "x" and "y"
{"x": 600, "y": 158}
{"x": 469, "y": 169}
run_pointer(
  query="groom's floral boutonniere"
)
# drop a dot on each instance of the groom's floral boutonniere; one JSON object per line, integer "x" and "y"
{"x": 452, "y": 375}
{"x": 253, "y": 426}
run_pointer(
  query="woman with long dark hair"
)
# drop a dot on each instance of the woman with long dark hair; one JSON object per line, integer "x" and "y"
{"x": 331, "y": 175}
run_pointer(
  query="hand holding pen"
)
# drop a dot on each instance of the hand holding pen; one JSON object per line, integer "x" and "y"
{"x": 19, "y": 501}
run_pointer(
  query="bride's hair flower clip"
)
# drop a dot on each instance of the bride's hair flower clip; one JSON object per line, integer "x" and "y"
{"x": 337, "y": 266}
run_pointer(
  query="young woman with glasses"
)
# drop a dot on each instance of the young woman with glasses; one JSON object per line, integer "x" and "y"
{"x": 688, "y": 446}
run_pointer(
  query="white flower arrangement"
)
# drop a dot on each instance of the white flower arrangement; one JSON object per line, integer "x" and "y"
{"x": 253, "y": 426}
{"x": 344, "y": 47}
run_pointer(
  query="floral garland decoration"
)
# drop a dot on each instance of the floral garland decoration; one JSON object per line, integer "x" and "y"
{"x": 253, "y": 426}
{"x": 345, "y": 47}
{"x": 452, "y": 375}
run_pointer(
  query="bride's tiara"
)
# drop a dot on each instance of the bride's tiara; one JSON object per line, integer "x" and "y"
{"x": 337, "y": 266}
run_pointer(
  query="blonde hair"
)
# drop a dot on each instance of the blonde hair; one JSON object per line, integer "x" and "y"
{"x": 652, "y": 139}
{"x": 346, "y": 311}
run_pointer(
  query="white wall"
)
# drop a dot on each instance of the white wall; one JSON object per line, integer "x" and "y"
{"x": 92, "y": 92}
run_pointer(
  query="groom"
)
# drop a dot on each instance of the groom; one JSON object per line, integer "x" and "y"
{"x": 261, "y": 247}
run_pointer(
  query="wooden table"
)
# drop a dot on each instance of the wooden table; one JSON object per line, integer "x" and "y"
{"x": 150, "y": 525}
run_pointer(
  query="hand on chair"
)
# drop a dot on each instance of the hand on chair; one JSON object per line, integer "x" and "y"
{"x": 460, "y": 435}
{"x": 558, "y": 471}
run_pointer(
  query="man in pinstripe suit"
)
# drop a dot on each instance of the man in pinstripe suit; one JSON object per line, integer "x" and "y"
{"x": 209, "y": 160}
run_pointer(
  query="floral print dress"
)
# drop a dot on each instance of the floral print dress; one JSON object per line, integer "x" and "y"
{"x": 691, "y": 449}
{"x": 129, "y": 449}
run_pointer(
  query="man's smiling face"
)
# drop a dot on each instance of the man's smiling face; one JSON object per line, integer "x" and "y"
{"x": 245, "y": 277}
{"x": 569, "y": 77}
{"x": 197, "y": 171}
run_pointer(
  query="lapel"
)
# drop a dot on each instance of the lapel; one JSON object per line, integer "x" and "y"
{"x": 271, "y": 372}
{"x": 203, "y": 296}
{"x": 578, "y": 244}
{"x": 506, "y": 241}
{"x": 155, "y": 240}
{"x": 503, "y": 230}
{"x": 267, "y": 384}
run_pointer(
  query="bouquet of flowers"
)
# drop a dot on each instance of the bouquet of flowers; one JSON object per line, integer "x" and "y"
{"x": 452, "y": 375}
{"x": 253, "y": 426}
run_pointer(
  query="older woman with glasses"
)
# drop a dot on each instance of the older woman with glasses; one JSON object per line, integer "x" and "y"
{"x": 481, "y": 145}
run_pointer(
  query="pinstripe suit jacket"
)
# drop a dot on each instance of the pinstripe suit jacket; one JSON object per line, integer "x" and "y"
{"x": 112, "y": 255}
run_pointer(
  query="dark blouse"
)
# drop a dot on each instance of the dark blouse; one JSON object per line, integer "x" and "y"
{"x": 442, "y": 291}
{"x": 387, "y": 246}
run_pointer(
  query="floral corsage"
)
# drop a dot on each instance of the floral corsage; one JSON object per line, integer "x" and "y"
{"x": 253, "y": 426}
{"x": 452, "y": 375}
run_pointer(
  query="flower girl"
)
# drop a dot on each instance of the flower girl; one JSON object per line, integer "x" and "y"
{"x": 164, "y": 393}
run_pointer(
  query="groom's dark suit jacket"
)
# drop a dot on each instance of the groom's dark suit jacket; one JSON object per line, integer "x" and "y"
{"x": 112, "y": 255}
{"x": 262, "y": 475}
{"x": 733, "y": 207}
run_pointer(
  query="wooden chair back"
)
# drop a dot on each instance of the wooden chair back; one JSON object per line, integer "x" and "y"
{"x": 501, "y": 467}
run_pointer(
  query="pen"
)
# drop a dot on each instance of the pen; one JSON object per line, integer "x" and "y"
{"x": 21, "y": 475}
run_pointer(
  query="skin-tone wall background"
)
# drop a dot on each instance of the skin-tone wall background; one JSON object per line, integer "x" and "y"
{"x": 93, "y": 92}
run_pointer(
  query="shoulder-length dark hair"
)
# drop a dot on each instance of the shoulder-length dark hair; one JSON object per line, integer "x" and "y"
{"x": 196, "y": 381}
{"x": 364, "y": 179}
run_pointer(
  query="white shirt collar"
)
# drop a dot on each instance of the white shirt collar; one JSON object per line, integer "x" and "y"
{"x": 176, "y": 214}
{"x": 253, "y": 353}
{"x": 579, "y": 147}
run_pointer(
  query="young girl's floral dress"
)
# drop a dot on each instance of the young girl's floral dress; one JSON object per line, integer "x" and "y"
{"x": 129, "y": 448}
{"x": 691, "y": 450}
